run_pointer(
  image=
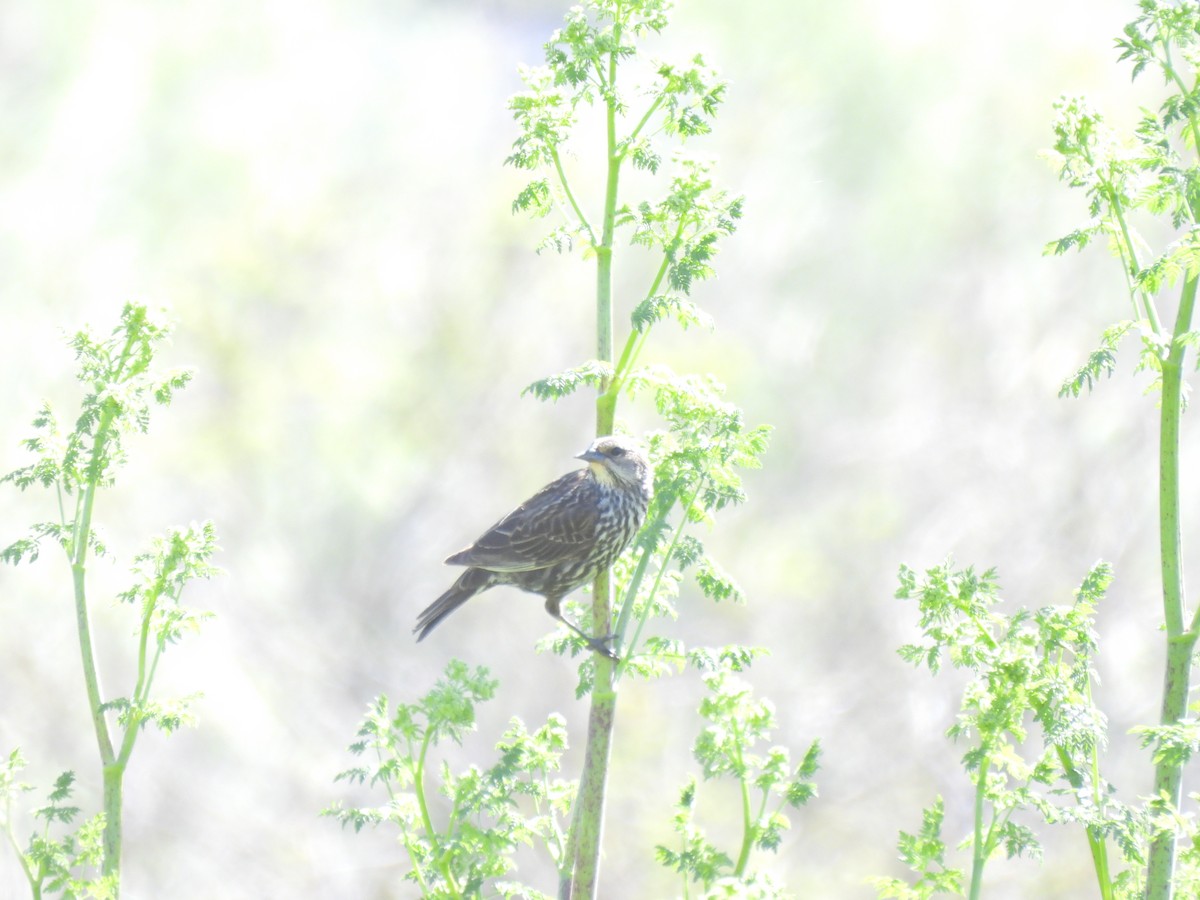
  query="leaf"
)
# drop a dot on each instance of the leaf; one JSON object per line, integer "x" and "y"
{"x": 655, "y": 309}
{"x": 1102, "y": 361}
{"x": 591, "y": 374}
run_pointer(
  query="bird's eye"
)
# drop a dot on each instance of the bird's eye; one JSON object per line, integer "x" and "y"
{"x": 617, "y": 451}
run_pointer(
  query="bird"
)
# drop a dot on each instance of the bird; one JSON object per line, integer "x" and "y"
{"x": 560, "y": 538}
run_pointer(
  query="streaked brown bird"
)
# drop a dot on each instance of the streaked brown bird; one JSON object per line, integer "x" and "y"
{"x": 558, "y": 539}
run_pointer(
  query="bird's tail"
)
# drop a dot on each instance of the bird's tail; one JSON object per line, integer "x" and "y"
{"x": 469, "y": 583}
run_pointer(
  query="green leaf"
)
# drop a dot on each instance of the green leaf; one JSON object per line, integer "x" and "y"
{"x": 591, "y": 374}
{"x": 655, "y": 309}
{"x": 1102, "y": 361}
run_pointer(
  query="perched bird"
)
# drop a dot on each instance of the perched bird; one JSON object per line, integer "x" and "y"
{"x": 558, "y": 539}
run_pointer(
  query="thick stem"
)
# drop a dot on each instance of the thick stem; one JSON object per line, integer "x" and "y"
{"x": 593, "y": 784}
{"x": 1168, "y": 775}
{"x": 604, "y": 263}
{"x": 114, "y": 775}
{"x": 588, "y": 827}
{"x": 979, "y": 850}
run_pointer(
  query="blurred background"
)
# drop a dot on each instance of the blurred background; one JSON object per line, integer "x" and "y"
{"x": 316, "y": 193}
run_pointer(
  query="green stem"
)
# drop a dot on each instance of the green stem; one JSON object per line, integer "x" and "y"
{"x": 411, "y": 840}
{"x": 558, "y": 848}
{"x": 627, "y": 601}
{"x": 1168, "y": 775}
{"x": 566, "y": 864}
{"x": 114, "y": 779}
{"x": 79, "y": 545}
{"x": 641, "y": 124}
{"x": 440, "y": 859}
{"x": 1096, "y": 840}
{"x": 979, "y": 849}
{"x": 748, "y": 829}
{"x": 588, "y": 826}
{"x": 562, "y": 180}
{"x": 1127, "y": 249}
{"x": 112, "y": 772}
{"x": 35, "y": 886}
{"x": 639, "y": 573}
{"x": 1172, "y": 74}
{"x": 605, "y": 411}
{"x": 1147, "y": 310}
{"x": 636, "y": 339}
{"x": 1095, "y": 837}
{"x": 141, "y": 688}
{"x": 683, "y": 875}
{"x": 62, "y": 513}
{"x": 593, "y": 783}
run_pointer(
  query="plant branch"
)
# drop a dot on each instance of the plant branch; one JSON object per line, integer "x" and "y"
{"x": 635, "y": 582}
{"x": 562, "y": 180}
{"x": 748, "y": 829}
{"x": 653, "y": 108}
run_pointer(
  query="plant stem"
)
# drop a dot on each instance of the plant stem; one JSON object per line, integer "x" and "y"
{"x": 141, "y": 689}
{"x": 588, "y": 825}
{"x": 604, "y": 307}
{"x": 35, "y": 885}
{"x": 979, "y": 852}
{"x": 1168, "y": 775}
{"x": 1127, "y": 248}
{"x": 79, "y": 548}
{"x": 636, "y": 339}
{"x": 112, "y": 770}
{"x": 441, "y": 860}
{"x": 748, "y": 830}
{"x": 114, "y": 778}
{"x": 636, "y": 581}
{"x": 1095, "y": 837}
{"x": 566, "y": 186}
{"x": 594, "y": 782}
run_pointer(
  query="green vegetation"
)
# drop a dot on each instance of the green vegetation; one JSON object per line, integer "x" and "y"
{"x": 76, "y": 465}
{"x": 696, "y": 455}
{"x": 1038, "y": 666}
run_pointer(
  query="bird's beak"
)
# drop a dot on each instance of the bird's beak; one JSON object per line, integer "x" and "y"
{"x": 591, "y": 456}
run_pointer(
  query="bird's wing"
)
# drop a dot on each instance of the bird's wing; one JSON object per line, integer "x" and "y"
{"x": 555, "y": 525}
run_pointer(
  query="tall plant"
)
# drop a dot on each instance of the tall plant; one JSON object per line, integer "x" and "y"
{"x": 1037, "y": 665}
{"x": 586, "y": 66}
{"x": 76, "y": 465}
{"x": 1153, "y": 174}
{"x": 647, "y": 112}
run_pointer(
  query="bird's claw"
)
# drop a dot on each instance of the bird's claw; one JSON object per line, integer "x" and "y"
{"x": 601, "y": 644}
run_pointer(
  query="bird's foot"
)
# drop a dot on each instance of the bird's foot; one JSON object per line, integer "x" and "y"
{"x": 602, "y": 645}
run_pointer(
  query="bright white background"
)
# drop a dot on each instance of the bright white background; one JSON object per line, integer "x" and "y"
{"x": 316, "y": 191}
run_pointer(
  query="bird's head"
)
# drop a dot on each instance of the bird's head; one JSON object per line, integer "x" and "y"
{"x": 618, "y": 460}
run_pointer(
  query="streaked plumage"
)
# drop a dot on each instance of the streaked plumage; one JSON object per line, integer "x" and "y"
{"x": 560, "y": 538}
